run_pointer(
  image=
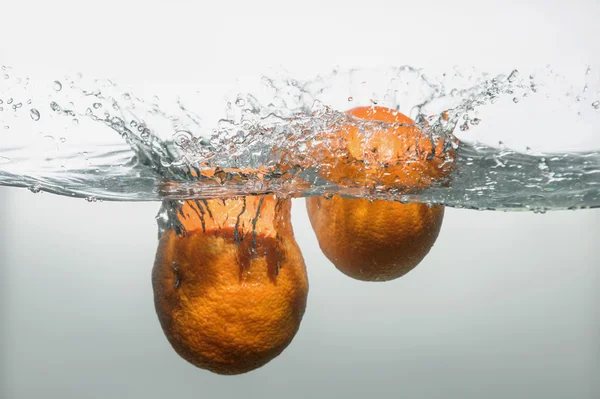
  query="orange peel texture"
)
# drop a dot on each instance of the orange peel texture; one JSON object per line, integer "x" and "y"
{"x": 230, "y": 290}
{"x": 379, "y": 240}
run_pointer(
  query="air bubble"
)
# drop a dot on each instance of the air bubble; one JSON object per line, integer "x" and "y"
{"x": 57, "y": 86}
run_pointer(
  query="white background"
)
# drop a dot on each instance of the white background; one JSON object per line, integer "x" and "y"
{"x": 505, "y": 305}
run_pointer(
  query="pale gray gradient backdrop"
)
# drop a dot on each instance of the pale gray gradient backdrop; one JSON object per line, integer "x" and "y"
{"x": 504, "y": 306}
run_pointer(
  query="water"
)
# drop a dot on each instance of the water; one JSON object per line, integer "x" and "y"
{"x": 91, "y": 138}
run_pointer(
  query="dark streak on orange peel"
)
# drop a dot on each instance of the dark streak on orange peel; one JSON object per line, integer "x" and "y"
{"x": 378, "y": 240}
{"x": 231, "y": 289}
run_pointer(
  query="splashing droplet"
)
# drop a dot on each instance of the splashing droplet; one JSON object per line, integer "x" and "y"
{"x": 35, "y": 189}
{"x": 182, "y": 138}
{"x": 514, "y": 75}
{"x": 55, "y": 106}
{"x": 57, "y": 86}
{"x": 35, "y": 114}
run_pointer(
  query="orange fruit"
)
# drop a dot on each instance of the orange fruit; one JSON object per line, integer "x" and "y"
{"x": 385, "y": 150}
{"x": 229, "y": 280}
{"x": 380, "y": 240}
{"x": 374, "y": 241}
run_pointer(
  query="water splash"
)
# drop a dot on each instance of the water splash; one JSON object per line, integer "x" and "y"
{"x": 164, "y": 148}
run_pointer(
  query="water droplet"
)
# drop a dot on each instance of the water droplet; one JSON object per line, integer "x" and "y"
{"x": 55, "y": 106}
{"x": 126, "y": 96}
{"x": 57, "y": 86}
{"x": 35, "y": 189}
{"x": 588, "y": 70}
{"x": 182, "y": 137}
{"x": 350, "y": 99}
{"x": 6, "y": 127}
{"x": 596, "y": 104}
{"x": 515, "y": 100}
{"x": 91, "y": 199}
{"x": 475, "y": 121}
{"x": 514, "y": 75}
{"x": 9, "y": 101}
{"x": 240, "y": 102}
{"x": 35, "y": 114}
{"x": 63, "y": 139}
{"x": 1, "y": 102}
{"x": 75, "y": 121}
{"x": 97, "y": 105}
{"x": 6, "y": 76}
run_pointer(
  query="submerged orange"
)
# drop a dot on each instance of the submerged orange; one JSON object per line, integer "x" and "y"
{"x": 230, "y": 284}
{"x": 380, "y": 240}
